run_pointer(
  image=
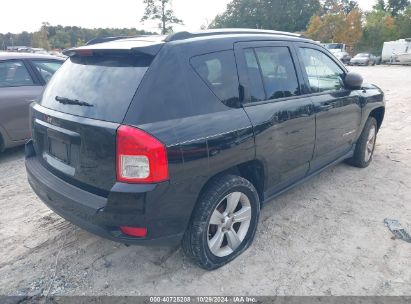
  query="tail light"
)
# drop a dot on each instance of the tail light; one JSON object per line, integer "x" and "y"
{"x": 134, "y": 231}
{"x": 141, "y": 158}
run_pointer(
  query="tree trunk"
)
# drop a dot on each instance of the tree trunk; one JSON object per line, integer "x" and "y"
{"x": 163, "y": 18}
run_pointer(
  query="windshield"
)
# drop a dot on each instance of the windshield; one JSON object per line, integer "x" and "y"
{"x": 104, "y": 82}
{"x": 362, "y": 55}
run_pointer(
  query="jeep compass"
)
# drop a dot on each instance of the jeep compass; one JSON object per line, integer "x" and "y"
{"x": 183, "y": 138}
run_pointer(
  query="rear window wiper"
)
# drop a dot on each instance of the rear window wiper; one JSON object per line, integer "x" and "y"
{"x": 77, "y": 102}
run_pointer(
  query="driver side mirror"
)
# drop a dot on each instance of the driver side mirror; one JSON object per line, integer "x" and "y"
{"x": 353, "y": 81}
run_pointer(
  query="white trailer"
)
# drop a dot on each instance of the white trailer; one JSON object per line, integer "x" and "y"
{"x": 391, "y": 49}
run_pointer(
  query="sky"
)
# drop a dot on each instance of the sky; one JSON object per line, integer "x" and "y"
{"x": 27, "y": 15}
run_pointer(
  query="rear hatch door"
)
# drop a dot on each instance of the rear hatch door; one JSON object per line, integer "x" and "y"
{"x": 74, "y": 125}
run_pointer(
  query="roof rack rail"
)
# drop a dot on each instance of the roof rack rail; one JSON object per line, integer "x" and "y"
{"x": 187, "y": 35}
{"x": 108, "y": 39}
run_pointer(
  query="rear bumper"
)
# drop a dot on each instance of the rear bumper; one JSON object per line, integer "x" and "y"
{"x": 97, "y": 215}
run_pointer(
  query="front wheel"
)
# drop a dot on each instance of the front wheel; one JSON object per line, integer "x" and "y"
{"x": 365, "y": 147}
{"x": 224, "y": 222}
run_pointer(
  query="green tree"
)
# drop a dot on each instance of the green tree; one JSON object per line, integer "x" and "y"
{"x": 161, "y": 10}
{"x": 395, "y": 7}
{"x": 380, "y": 26}
{"x": 23, "y": 39}
{"x": 380, "y": 6}
{"x": 40, "y": 38}
{"x": 240, "y": 13}
{"x": 2, "y": 42}
{"x": 403, "y": 23}
{"x": 283, "y": 15}
{"x": 349, "y": 6}
{"x": 336, "y": 26}
{"x": 61, "y": 39}
{"x": 386, "y": 22}
{"x": 338, "y": 6}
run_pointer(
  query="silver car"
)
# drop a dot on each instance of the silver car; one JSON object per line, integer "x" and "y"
{"x": 22, "y": 79}
{"x": 363, "y": 59}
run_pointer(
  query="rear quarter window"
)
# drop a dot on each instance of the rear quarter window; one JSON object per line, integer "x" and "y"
{"x": 219, "y": 72}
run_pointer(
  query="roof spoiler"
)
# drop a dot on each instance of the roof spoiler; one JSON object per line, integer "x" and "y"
{"x": 151, "y": 50}
{"x": 108, "y": 39}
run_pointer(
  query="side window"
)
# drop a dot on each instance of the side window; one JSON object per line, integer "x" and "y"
{"x": 46, "y": 68}
{"x": 278, "y": 72}
{"x": 323, "y": 73}
{"x": 13, "y": 73}
{"x": 219, "y": 71}
{"x": 257, "y": 92}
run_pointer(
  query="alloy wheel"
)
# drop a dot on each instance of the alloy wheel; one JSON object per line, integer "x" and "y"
{"x": 229, "y": 224}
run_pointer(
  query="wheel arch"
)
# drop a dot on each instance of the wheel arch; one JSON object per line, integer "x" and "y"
{"x": 378, "y": 114}
{"x": 252, "y": 170}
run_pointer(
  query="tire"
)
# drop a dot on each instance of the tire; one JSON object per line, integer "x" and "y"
{"x": 234, "y": 236}
{"x": 364, "y": 149}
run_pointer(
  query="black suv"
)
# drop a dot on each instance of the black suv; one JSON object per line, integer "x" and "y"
{"x": 158, "y": 140}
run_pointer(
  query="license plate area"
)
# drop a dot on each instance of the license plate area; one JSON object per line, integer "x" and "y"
{"x": 59, "y": 149}
{"x": 58, "y": 146}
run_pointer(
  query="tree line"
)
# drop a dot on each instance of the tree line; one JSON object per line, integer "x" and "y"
{"x": 322, "y": 20}
{"x": 327, "y": 21}
{"x": 60, "y": 37}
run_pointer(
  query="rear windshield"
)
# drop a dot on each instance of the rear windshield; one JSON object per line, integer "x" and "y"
{"x": 100, "y": 86}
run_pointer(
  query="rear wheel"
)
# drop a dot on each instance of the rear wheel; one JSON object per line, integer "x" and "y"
{"x": 366, "y": 145}
{"x": 224, "y": 222}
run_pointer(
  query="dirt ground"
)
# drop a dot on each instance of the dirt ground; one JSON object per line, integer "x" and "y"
{"x": 325, "y": 237}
